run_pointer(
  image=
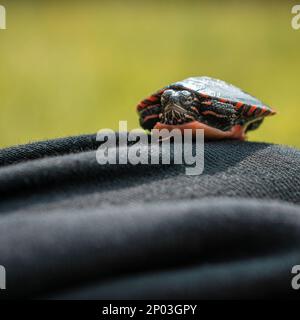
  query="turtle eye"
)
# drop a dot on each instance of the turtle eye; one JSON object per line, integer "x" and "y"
{"x": 166, "y": 95}
{"x": 186, "y": 97}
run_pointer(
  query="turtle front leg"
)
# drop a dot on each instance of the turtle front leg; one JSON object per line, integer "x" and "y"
{"x": 222, "y": 115}
{"x": 219, "y": 109}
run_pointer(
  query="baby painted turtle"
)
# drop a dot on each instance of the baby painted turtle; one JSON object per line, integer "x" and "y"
{"x": 221, "y": 109}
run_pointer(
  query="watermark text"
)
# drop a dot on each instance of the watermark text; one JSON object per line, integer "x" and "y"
{"x": 2, "y": 17}
{"x": 296, "y": 279}
{"x": 161, "y": 147}
{"x": 296, "y": 18}
{"x": 2, "y": 278}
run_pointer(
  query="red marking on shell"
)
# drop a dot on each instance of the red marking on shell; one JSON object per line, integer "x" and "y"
{"x": 263, "y": 109}
{"x": 271, "y": 111}
{"x": 151, "y": 106}
{"x": 142, "y": 104}
{"x": 153, "y": 116}
{"x": 153, "y": 98}
{"x": 252, "y": 109}
{"x": 208, "y": 103}
{"x": 145, "y": 109}
{"x": 239, "y": 104}
{"x": 223, "y": 100}
{"x": 209, "y": 112}
{"x": 213, "y": 113}
{"x": 148, "y": 101}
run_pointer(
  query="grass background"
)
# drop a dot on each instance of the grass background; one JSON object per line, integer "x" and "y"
{"x": 71, "y": 67}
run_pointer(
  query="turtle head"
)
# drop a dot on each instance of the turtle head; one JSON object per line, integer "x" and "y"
{"x": 176, "y": 106}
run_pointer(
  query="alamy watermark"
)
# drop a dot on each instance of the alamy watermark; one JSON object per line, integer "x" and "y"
{"x": 296, "y": 278}
{"x": 2, "y": 278}
{"x": 296, "y": 18}
{"x": 161, "y": 147}
{"x": 2, "y": 17}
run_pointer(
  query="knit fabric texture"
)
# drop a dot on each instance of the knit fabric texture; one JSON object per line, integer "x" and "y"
{"x": 71, "y": 228}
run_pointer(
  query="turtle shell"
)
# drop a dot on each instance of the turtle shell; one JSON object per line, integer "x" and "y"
{"x": 248, "y": 107}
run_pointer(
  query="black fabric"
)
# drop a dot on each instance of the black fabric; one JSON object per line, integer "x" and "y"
{"x": 71, "y": 228}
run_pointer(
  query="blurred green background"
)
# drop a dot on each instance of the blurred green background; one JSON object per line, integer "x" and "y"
{"x": 71, "y": 67}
